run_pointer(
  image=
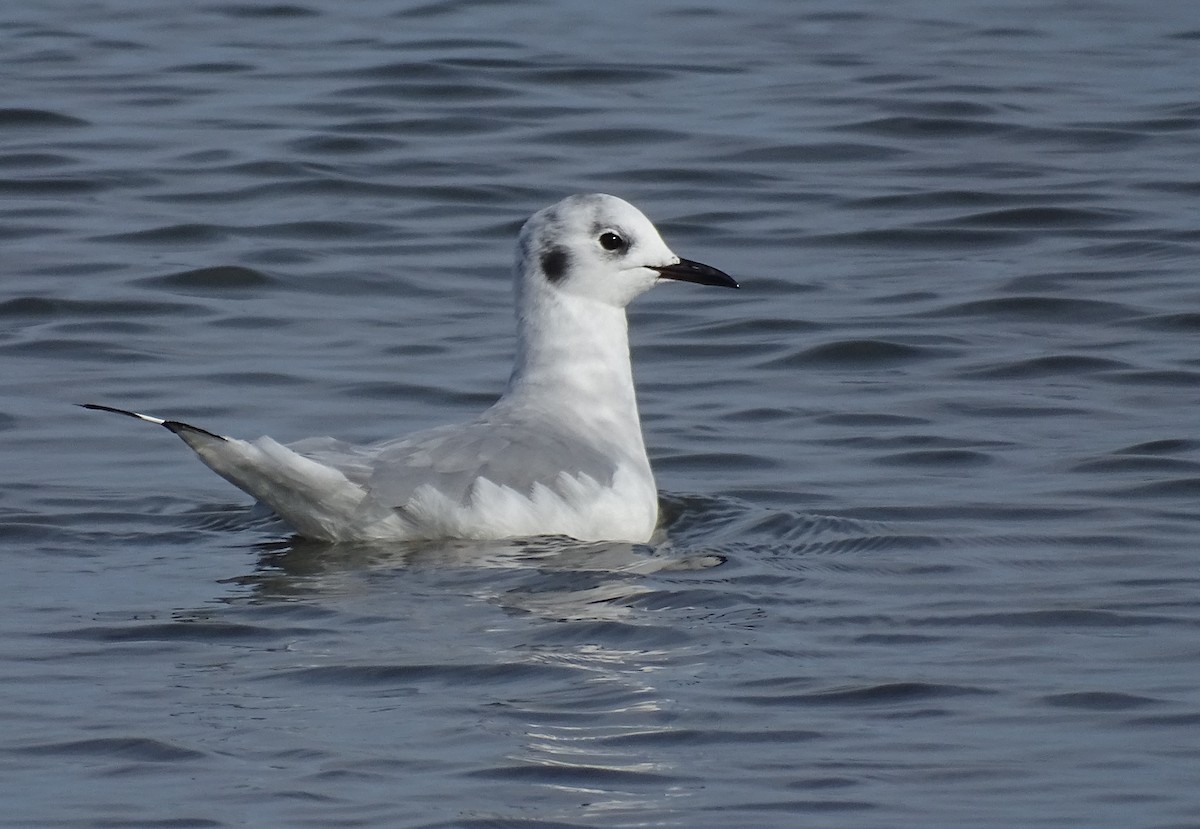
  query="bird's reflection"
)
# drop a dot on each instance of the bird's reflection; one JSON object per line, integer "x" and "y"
{"x": 554, "y": 577}
{"x": 577, "y": 660}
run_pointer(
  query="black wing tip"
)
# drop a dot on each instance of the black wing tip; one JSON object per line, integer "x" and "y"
{"x": 175, "y": 426}
{"x": 178, "y": 426}
{"x": 100, "y": 407}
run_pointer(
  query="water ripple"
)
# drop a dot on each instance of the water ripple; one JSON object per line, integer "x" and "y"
{"x": 140, "y": 749}
{"x": 928, "y": 480}
{"x": 17, "y": 117}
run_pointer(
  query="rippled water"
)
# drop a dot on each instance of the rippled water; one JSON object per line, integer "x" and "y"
{"x": 929, "y": 480}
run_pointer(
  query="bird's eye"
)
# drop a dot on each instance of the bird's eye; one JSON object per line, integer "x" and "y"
{"x": 611, "y": 241}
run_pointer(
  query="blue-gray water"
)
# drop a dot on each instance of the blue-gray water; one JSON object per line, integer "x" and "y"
{"x": 930, "y": 479}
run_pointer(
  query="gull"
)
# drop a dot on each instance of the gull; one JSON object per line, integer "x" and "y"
{"x": 560, "y": 453}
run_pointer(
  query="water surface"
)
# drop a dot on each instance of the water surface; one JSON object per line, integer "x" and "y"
{"x": 928, "y": 480}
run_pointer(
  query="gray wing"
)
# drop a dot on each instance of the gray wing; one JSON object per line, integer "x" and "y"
{"x": 513, "y": 453}
{"x": 352, "y": 461}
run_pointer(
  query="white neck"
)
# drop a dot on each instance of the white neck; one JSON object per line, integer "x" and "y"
{"x": 573, "y": 355}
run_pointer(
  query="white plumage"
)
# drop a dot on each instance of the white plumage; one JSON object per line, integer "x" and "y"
{"x": 560, "y": 453}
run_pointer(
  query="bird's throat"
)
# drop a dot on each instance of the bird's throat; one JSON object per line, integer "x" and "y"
{"x": 576, "y": 353}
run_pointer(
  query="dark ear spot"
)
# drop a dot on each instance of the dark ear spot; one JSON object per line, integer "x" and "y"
{"x": 554, "y": 264}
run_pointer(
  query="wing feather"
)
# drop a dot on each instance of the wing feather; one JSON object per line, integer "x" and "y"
{"x": 518, "y": 454}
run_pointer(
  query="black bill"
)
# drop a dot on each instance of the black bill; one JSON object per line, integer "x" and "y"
{"x": 685, "y": 270}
